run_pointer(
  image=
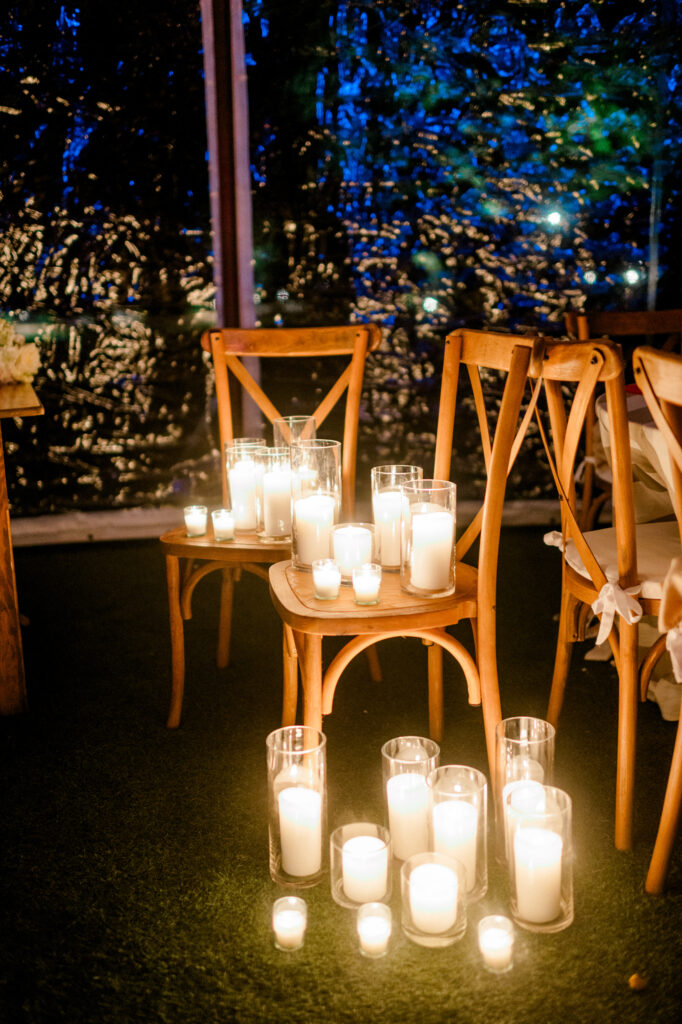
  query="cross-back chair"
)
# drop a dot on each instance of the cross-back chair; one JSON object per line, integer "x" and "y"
{"x": 661, "y": 328}
{"x": 616, "y": 571}
{"x": 400, "y": 614}
{"x": 659, "y": 377}
{"x": 190, "y": 559}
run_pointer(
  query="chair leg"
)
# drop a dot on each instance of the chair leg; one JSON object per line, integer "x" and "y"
{"x": 562, "y": 658}
{"x": 435, "y": 674}
{"x": 290, "y": 677}
{"x": 309, "y": 647}
{"x": 656, "y": 651}
{"x": 225, "y": 620}
{"x": 374, "y": 664}
{"x": 667, "y": 828}
{"x": 177, "y": 633}
{"x": 627, "y": 730}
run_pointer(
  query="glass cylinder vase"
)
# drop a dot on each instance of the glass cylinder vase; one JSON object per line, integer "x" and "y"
{"x": 297, "y": 805}
{"x": 387, "y": 505}
{"x": 458, "y": 820}
{"x": 428, "y": 538}
{"x": 432, "y": 889}
{"x": 288, "y": 430}
{"x": 316, "y": 499}
{"x": 524, "y": 751}
{"x": 360, "y": 864}
{"x": 407, "y": 762}
{"x": 274, "y": 494}
{"x": 243, "y": 469}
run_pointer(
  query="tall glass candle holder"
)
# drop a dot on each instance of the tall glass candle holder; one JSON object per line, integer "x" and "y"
{"x": 243, "y": 472}
{"x": 387, "y": 506}
{"x": 428, "y": 538}
{"x": 458, "y": 820}
{"x": 353, "y": 545}
{"x": 524, "y": 750}
{"x": 432, "y": 889}
{"x": 288, "y": 430}
{"x": 541, "y": 865}
{"x": 297, "y": 805}
{"x": 360, "y": 864}
{"x": 274, "y": 494}
{"x": 407, "y": 762}
{"x": 316, "y": 499}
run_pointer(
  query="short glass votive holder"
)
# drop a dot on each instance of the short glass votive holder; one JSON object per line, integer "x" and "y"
{"x": 524, "y": 750}
{"x": 387, "y": 508}
{"x": 297, "y": 805}
{"x": 459, "y": 822}
{"x": 367, "y": 583}
{"x": 196, "y": 518}
{"x": 223, "y": 523}
{"x": 496, "y": 943}
{"x": 360, "y": 864}
{"x": 407, "y": 762}
{"x": 428, "y": 538}
{"x": 353, "y": 545}
{"x": 326, "y": 579}
{"x": 432, "y": 888}
{"x": 541, "y": 865}
{"x": 374, "y": 925}
{"x": 274, "y": 494}
{"x": 289, "y": 922}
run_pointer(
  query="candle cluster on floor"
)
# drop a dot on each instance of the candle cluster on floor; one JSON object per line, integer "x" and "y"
{"x": 435, "y": 838}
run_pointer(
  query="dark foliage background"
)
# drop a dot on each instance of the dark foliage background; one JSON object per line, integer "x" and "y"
{"x": 423, "y": 164}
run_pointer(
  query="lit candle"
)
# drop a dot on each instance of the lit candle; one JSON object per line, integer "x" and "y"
{"x": 374, "y": 928}
{"x": 326, "y": 579}
{"x": 408, "y": 809}
{"x": 366, "y": 583}
{"x": 365, "y": 868}
{"x": 289, "y": 919}
{"x": 387, "y": 509}
{"x": 537, "y": 867}
{"x": 455, "y": 832}
{"x": 519, "y": 799}
{"x": 243, "y": 478}
{"x": 300, "y": 829}
{"x": 433, "y": 535}
{"x": 277, "y": 502}
{"x": 496, "y": 941}
{"x": 313, "y": 522}
{"x": 223, "y": 523}
{"x": 195, "y": 520}
{"x": 352, "y": 547}
{"x": 433, "y": 897}
{"x": 525, "y": 767}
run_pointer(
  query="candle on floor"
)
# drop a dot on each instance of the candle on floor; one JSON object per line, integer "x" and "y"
{"x": 365, "y": 868}
{"x": 366, "y": 583}
{"x": 408, "y": 809}
{"x": 326, "y": 579}
{"x": 313, "y": 522}
{"x": 195, "y": 520}
{"x": 433, "y": 897}
{"x": 374, "y": 928}
{"x": 223, "y": 523}
{"x": 300, "y": 825}
{"x": 352, "y": 546}
{"x": 496, "y": 942}
{"x": 455, "y": 833}
{"x": 537, "y": 869}
{"x": 289, "y": 920}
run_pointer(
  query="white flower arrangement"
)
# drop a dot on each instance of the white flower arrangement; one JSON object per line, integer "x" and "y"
{"x": 19, "y": 359}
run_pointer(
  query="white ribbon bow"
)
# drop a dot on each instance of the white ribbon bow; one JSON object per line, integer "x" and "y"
{"x": 673, "y": 642}
{"x": 580, "y": 468}
{"x": 553, "y": 539}
{"x": 612, "y": 598}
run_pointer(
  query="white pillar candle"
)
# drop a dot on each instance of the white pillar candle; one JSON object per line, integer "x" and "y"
{"x": 289, "y": 927}
{"x": 455, "y": 833}
{"x": 277, "y": 502}
{"x": 365, "y": 868}
{"x": 374, "y": 931}
{"x": 433, "y": 897}
{"x": 243, "y": 478}
{"x": 519, "y": 799}
{"x": 223, "y": 523}
{"x": 352, "y": 547}
{"x": 495, "y": 942}
{"x": 387, "y": 509}
{"x": 525, "y": 767}
{"x": 313, "y": 522}
{"x": 433, "y": 535}
{"x": 408, "y": 814}
{"x": 300, "y": 829}
{"x": 537, "y": 872}
{"x": 195, "y": 520}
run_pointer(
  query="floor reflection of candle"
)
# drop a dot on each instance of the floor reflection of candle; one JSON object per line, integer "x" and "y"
{"x": 433, "y": 535}
{"x": 365, "y": 868}
{"x": 433, "y": 897}
{"x": 408, "y": 803}
{"x": 313, "y": 522}
{"x": 300, "y": 827}
{"x": 537, "y": 872}
{"x": 455, "y": 832}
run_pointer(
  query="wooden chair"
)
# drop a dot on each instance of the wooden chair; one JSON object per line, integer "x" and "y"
{"x": 190, "y": 559}
{"x": 606, "y": 563}
{"x": 400, "y": 614}
{"x": 659, "y": 377}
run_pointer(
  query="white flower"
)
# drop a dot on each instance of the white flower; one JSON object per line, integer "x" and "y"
{"x": 19, "y": 360}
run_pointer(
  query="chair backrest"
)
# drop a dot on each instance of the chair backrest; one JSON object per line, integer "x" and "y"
{"x": 578, "y": 369}
{"x": 659, "y": 377}
{"x": 230, "y": 346}
{"x": 665, "y": 324}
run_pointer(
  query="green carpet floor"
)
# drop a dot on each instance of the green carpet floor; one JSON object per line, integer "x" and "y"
{"x": 134, "y": 882}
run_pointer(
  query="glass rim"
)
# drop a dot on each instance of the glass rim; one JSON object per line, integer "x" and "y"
{"x": 271, "y": 738}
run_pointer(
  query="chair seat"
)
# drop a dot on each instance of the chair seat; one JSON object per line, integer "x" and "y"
{"x": 657, "y": 544}
{"x": 293, "y": 594}
{"x": 176, "y": 542}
